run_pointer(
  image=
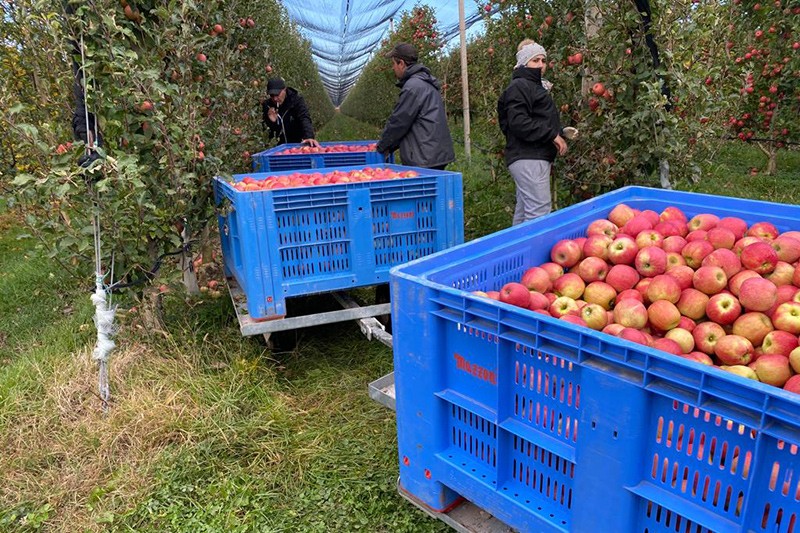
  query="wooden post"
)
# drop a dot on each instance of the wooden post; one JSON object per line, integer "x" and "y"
{"x": 464, "y": 79}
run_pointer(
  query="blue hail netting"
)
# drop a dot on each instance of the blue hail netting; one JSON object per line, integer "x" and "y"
{"x": 344, "y": 34}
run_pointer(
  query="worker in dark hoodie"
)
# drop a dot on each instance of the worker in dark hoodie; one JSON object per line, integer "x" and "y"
{"x": 529, "y": 120}
{"x": 418, "y": 124}
{"x": 286, "y": 115}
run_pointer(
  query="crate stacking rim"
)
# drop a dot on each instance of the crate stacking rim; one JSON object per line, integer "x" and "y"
{"x": 270, "y": 161}
{"x": 553, "y": 427}
{"x": 290, "y": 242}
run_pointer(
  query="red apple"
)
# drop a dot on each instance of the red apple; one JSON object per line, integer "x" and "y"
{"x": 740, "y": 370}
{"x": 709, "y": 279}
{"x": 663, "y": 315}
{"x": 733, "y": 350}
{"x": 787, "y": 248}
{"x": 592, "y": 269}
{"x": 574, "y": 319}
{"x": 687, "y": 323}
{"x": 633, "y": 335}
{"x": 735, "y": 283}
{"x": 597, "y": 246}
{"x": 760, "y": 257}
{"x": 779, "y": 342}
{"x": 735, "y": 224}
{"x": 787, "y": 317}
{"x": 566, "y": 253}
{"x": 563, "y": 305}
{"x": 664, "y": 287}
{"x": 794, "y": 359}
{"x": 651, "y": 261}
{"x": 600, "y": 293}
{"x": 622, "y": 250}
{"x": 695, "y": 251}
{"x": 782, "y": 275}
{"x": 630, "y": 313}
{"x": 723, "y": 308}
{"x": 706, "y": 335}
{"x": 514, "y": 293}
{"x": 683, "y": 274}
{"x": 793, "y": 384}
{"x": 621, "y": 214}
{"x": 669, "y": 229}
{"x": 594, "y": 316}
{"x": 537, "y": 279}
{"x": 667, "y": 345}
{"x": 636, "y": 225}
{"x": 726, "y": 259}
{"x": 699, "y": 357}
{"x": 703, "y": 221}
{"x": 757, "y": 294}
{"x": 602, "y": 226}
{"x": 697, "y": 235}
{"x": 629, "y": 294}
{"x": 649, "y": 237}
{"x": 763, "y": 230}
{"x": 754, "y": 326}
{"x": 773, "y": 369}
{"x": 570, "y": 284}
{"x": 538, "y": 301}
{"x": 721, "y": 238}
{"x": 683, "y": 337}
{"x": 674, "y": 259}
{"x": 672, "y": 213}
{"x": 673, "y": 243}
{"x": 622, "y": 277}
{"x": 692, "y": 303}
{"x": 554, "y": 270}
{"x": 612, "y": 328}
{"x": 742, "y": 243}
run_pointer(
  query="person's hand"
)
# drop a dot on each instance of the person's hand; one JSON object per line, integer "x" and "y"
{"x": 272, "y": 114}
{"x": 561, "y": 144}
{"x": 311, "y": 142}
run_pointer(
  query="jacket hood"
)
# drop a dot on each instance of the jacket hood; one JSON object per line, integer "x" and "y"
{"x": 421, "y": 72}
{"x": 531, "y": 74}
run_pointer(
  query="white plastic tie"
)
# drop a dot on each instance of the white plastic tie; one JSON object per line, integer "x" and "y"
{"x": 104, "y": 322}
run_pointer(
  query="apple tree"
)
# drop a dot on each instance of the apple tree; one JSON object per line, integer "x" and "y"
{"x": 176, "y": 88}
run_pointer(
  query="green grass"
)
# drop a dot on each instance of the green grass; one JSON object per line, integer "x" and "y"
{"x": 209, "y": 430}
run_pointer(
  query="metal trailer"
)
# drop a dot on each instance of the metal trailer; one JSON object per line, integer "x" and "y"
{"x": 465, "y": 517}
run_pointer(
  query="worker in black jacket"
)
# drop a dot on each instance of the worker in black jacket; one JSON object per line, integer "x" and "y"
{"x": 286, "y": 115}
{"x": 418, "y": 124}
{"x": 529, "y": 119}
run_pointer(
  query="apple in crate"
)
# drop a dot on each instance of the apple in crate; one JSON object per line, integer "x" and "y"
{"x": 733, "y": 350}
{"x": 621, "y": 214}
{"x": 754, "y": 326}
{"x": 651, "y": 261}
{"x": 695, "y": 251}
{"x": 683, "y": 337}
{"x": 663, "y": 315}
{"x": 765, "y": 231}
{"x": 633, "y": 335}
{"x": 757, "y": 293}
{"x": 773, "y": 369}
{"x": 537, "y": 279}
{"x": 622, "y": 277}
{"x": 664, "y": 287}
{"x": 570, "y": 284}
{"x": 554, "y": 270}
{"x": 692, "y": 303}
{"x": 630, "y": 313}
{"x": 723, "y": 308}
{"x": 622, "y": 250}
{"x": 563, "y": 305}
{"x": 673, "y": 213}
{"x": 787, "y": 317}
{"x": 793, "y": 384}
{"x": 636, "y": 225}
{"x": 794, "y": 359}
{"x": 514, "y": 293}
{"x": 726, "y": 259}
{"x": 667, "y": 345}
{"x": 602, "y": 226}
{"x": 735, "y": 283}
{"x": 600, "y": 293}
{"x": 683, "y": 274}
{"x": 740, "y": 370}
{"x": 673, "y": 243}
{"x": 697, "y": 235}
{"x": 699, "y": 357}
{"x": 782, "y": 275}
{"x": 709, "y": 279}
{"x": 566, "y": 253}
{"x": 721, "y": 238}
{"x": 706, "y": 335}
{"x": 597, "y": 246}
{"x": 703, "y": 221}
{"x": 779, "y": 342}
{"x": 737, "y": 225}
{"x": 760, "y": 257}
{"x": 787, "y": 248}
{"x": 595, "y": 316}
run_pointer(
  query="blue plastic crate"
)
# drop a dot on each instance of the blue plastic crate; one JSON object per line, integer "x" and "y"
{"x": 270, "y": 161}
{"x": 553, "y": 427}
{"x": 292, "y": 242}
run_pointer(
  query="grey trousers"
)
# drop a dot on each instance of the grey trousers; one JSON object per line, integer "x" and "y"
{"x": 532, "y": 177}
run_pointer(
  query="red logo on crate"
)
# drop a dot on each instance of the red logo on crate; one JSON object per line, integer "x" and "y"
{"x": 402, "y": 215}
{"x": 476, "y": 370}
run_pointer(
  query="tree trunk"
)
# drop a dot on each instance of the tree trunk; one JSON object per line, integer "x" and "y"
{"x": 772, "y": 161}
{"x": 593, "y": 21}
{"x": 187, "y": 267}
